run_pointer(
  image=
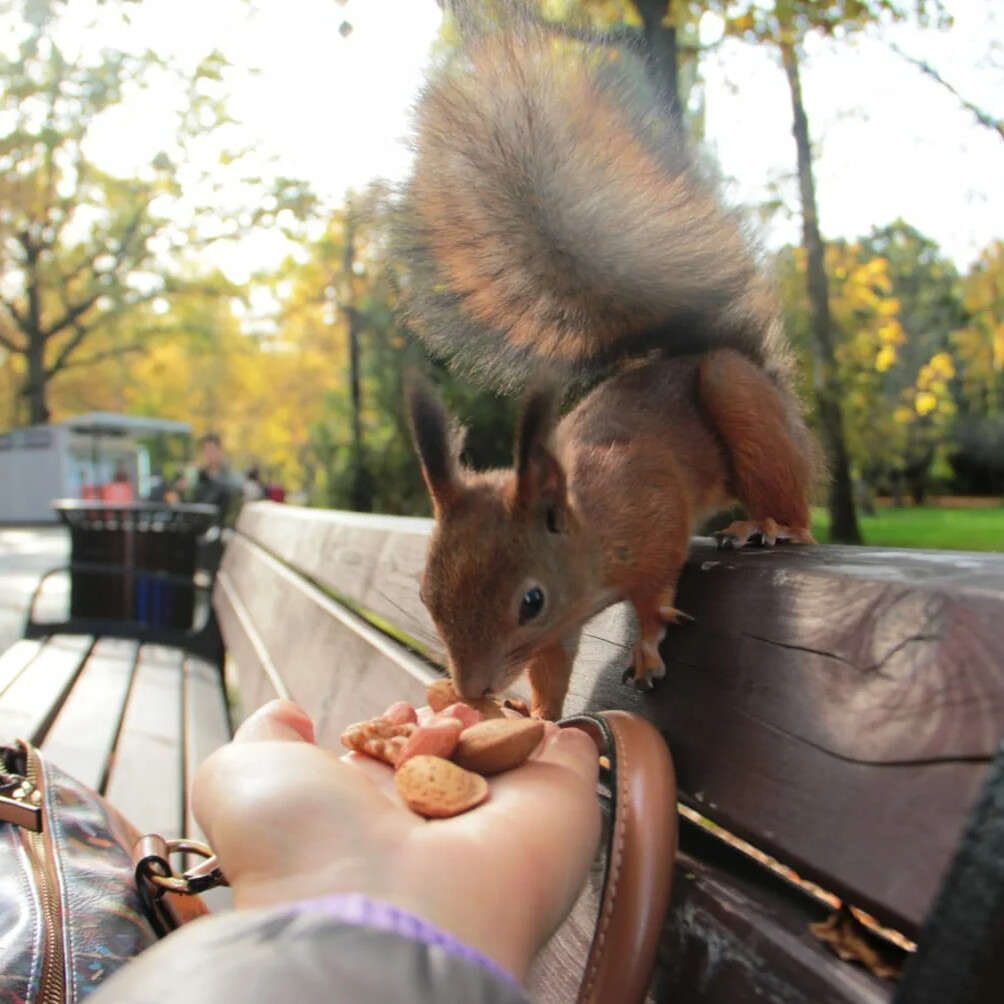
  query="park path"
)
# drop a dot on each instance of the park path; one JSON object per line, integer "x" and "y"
{"x": 25, "y": 554}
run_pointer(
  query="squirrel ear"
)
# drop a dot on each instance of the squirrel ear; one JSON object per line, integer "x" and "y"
{"x": 540, "y": 479}
{"x": 437, "y": 442}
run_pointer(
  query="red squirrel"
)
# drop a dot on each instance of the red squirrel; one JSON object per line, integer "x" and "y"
{"x": 555, "y": 232}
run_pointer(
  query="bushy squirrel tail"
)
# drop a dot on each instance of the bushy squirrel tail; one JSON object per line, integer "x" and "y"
{"x": 554, "y": 215}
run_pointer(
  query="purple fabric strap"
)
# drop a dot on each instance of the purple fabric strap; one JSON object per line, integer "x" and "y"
{"x": 355, "y": 908}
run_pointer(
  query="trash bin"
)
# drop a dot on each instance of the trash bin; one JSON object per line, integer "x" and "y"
{"x": 134, "y": 561}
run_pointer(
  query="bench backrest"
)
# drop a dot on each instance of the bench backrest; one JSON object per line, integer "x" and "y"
{"x": 835, "y": 707}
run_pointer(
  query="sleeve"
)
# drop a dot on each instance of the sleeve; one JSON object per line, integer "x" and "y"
{"x": 343, "y": 948}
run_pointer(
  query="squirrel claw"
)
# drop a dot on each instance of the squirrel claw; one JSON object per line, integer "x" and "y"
{"x": 765, "y": 533}
{"x": 518, "y": 705}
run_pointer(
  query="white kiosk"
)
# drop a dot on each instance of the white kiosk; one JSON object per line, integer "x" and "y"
{"x": 73, "y": 459}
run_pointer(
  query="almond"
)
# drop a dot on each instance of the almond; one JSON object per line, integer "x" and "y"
{"x": 498, "y": 745}
{"x": 437, "y": 789}
{"x": 437, "y": 738}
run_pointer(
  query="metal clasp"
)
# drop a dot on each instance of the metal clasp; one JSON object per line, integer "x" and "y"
{"x": 20, "y": 802}
{"x": 152, "y": 859}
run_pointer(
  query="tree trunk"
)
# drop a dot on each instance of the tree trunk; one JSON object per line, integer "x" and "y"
{"x": 37, "y": 378}
{"x": 362, "y": 487}
{"x": 661, "y": 53}
{"x": 843, "y": 519}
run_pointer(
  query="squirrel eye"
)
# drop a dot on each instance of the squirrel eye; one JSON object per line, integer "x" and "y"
{"x": 531, "y": 605}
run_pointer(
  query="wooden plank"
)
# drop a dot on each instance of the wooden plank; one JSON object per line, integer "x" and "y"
{"x": 337, "y": 666}
{"x": 83, "y": 735}
{"x": 206, "y": 724}
{"x": 835, "y": 706}
{"x": 147, "y": 774}
{"x": 371, "y": 562}
{"x": 206, "y": 728}
{"x": 15, "y": 659}
{"x": 30, "y": 702}
{"x": 248, "y": 663}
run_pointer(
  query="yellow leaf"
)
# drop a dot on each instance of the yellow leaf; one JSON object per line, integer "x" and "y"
{"x": 885, "y": 358}
{"x": 925, "y": 402}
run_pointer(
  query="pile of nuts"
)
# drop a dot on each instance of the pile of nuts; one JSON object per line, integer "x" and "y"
{"x": 440, "y": 765}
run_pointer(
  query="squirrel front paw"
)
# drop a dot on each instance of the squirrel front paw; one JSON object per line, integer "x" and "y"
{"x": 765, "y": 532}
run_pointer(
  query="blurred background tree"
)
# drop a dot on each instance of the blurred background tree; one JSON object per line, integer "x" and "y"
{"x": 109, "y": 300}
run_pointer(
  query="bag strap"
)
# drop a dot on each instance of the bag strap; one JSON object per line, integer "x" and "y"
{"x": 960, "y": 953}
{"x": 641, "y": 853}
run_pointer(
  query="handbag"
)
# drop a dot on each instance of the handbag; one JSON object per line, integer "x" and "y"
{"x": 71, "y": 908}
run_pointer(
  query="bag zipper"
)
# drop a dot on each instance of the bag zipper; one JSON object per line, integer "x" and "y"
{"x": 41, "y": 853}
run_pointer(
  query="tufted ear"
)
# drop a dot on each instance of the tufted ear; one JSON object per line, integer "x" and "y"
{"x": 437, "y": 440}
{"x": 540, "y": 478}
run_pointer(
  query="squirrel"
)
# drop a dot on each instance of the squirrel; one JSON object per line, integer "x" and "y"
{"x": 555, "y": 231}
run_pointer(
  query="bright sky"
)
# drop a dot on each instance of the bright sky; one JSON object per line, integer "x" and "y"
{"x": 333, "y": 110}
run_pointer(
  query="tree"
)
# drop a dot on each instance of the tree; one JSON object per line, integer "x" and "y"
{"x": 979, "y": 345}
{"x": 898, "y": 407}
{"x": 785, "y": 24}
{"x": 82, "y": 249}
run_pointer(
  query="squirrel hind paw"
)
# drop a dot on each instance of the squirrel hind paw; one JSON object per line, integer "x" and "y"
{"x": 646, "y": 668}
{"x": 766, "y": 533}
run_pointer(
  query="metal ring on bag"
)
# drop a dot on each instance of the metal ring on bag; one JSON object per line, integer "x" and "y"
{"x": 155, "y": 868}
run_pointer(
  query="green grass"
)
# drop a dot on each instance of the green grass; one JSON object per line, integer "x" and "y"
{"x": 959, "y": 529}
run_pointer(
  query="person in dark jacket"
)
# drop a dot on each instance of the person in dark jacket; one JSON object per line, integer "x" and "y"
{"x": 343, "y": 895}
{"x": 212, "y": 484}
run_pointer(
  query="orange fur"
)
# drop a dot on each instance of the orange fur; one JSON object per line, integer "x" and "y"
{"x": 555, "y": 221}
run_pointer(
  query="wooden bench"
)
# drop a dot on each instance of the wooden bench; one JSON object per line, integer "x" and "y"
{"x": 832, "y": 715}
{"x": 130, "y": 717}
{"x": 835, "y": 709}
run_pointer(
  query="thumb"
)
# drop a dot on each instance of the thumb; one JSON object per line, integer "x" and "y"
{"x": 281, "y": 721}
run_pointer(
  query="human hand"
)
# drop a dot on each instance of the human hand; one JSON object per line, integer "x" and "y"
{"x": 291, "y": 821}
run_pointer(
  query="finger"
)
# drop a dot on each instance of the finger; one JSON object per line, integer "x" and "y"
{"x": 574, "y": 749}
{"x": 277, "y": 720}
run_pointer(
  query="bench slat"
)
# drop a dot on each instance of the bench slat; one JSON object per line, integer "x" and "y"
{"x": 14, "y": 660}
{"x": 146, "y": 777}
{"x": 31, "y": 700}
{"x": 206, "y": 724}
{"x": 83, "y": 735}
{"x": 334, "y": 664}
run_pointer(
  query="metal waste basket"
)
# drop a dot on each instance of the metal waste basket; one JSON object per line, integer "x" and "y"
{"x": 134, "y": 561}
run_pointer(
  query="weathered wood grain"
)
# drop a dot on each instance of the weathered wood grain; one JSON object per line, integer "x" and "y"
{"x": 146, "y": 774}
{"x": 83, "y": 734}
{"x": 30, "y": 701}
{"x": 332, "y": 662}
{"x": 835, "y": 706}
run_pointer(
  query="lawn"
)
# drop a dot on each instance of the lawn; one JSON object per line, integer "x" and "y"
{"x": 963, "y": 529}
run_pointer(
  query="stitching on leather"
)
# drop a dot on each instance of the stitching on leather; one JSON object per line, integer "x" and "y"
{"x": 614, "y": 869}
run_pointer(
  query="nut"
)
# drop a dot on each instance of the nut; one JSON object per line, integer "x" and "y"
{"x": 467, "y": 715}
{"x": 498, "y": 745}
{"x": 437, "y": 738}
{"x": 401, "y": 713}
{"x": 441, "y": 694}
{"x": 437, "y": 789}
{"x": 378, "y": 738}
